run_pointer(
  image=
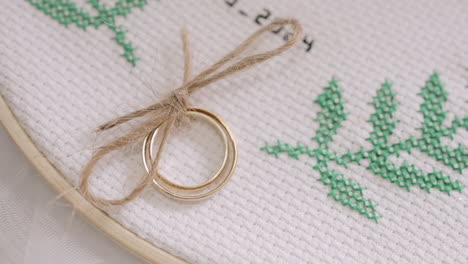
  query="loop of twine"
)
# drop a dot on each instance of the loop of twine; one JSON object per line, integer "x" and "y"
{"x": 172, "y": 109}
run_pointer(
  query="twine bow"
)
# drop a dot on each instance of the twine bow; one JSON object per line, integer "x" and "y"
{"x": 172, "y": 109}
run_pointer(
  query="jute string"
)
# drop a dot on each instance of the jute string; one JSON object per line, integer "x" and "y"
{"x": 172, "y": 109}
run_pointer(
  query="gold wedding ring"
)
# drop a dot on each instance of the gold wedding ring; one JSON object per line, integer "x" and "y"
{"x": 215, "y": 183}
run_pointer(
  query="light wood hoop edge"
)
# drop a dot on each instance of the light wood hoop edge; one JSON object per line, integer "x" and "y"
{"x": 127, "y": 239}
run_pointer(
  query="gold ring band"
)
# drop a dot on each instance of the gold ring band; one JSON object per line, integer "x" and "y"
{"x": 152, "y": 137}
{"x": 219, "y": 179}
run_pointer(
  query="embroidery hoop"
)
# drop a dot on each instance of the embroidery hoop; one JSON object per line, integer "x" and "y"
{"x": 113, "y": 229}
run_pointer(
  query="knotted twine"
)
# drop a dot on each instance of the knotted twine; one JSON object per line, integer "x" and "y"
{"x": 172, "y": 109}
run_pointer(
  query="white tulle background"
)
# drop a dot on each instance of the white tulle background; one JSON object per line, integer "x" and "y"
{"x": 35, "y": 227}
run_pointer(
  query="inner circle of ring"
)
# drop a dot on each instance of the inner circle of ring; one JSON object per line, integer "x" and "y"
{"x": 231, "y": 148}
{"x": 148, "y": 151}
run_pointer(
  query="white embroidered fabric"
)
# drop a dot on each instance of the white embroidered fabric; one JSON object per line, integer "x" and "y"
{"x": 63, "y": 82}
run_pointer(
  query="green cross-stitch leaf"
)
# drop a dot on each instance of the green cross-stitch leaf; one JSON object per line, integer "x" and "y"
{"x": 382, "y": 120}
{"x": 350, "y": 193}
{"x": 66, "y": 12}
{"x": 433, "y": 130}
{"x": 406, "y": 175}
{"x": 342, "y": 189}
{"x": 346, "y": 191}
{"x": 332, "y": 114}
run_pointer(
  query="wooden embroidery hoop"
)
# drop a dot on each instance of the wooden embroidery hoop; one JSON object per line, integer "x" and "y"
{"x": 98, "y": 218}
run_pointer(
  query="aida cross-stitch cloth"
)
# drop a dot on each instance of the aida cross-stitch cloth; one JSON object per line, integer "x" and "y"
{"x": 67, "y": 67}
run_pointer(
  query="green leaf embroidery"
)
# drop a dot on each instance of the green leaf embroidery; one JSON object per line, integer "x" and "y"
{"x": 350, "y": 193}
{"x": 67, "y": 12}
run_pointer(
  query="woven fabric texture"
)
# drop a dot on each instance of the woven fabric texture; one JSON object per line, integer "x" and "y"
{"x": 63, "y": 82}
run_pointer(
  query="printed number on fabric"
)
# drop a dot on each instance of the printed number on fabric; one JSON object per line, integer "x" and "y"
{"x": 263, "y": 17}
{"x": 67, "y": 13}
{"x": 350, "y": 193}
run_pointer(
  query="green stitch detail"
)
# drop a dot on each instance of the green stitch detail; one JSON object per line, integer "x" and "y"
{"x": 67, "y": 12}
{"x": 350, "y": 193}
{"x": 432, "y": 131}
